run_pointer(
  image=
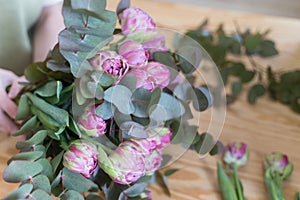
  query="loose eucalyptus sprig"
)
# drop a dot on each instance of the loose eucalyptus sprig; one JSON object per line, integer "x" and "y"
{"x": 228, "y": 49}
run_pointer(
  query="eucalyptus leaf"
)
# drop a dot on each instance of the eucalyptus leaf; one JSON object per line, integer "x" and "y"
{"x": 140, "y": 100}
{"x": 29, "y": 156}
{"x": 184, "y": 92}
{"x": 134, "y": 190}
{"x": 129, "y": 81}
{"x": 20, "y": 193}
{"x": 60, "y": 115}
{"x": 75, "y": 181}
{"x": 92, "y": 196}
{"x": 120, "y": 96}
{"x": 56, "y": 161}
{"x": 28, "y": 126}
{"x": 105, "y": 110}
{"x": 204, "y": 99}
{"x": 134, "y": 130}
{"x": 122, "y": 6}
{"x": 72, "y": 195}
{"x": 236, "y": 88}
{"x": 255, "y": 91}
{"x": 162, "y": 180}
{"x": 41, "y": 182}
{"x": 189, "y": 58}
{"x": 46, "y": 167}
{"x": 36, "y": 139}
{"x": 49, "y": 89}
{"x": 23, "y": 108}
{"x": 40, "y": 194}
{"x": 20, "y": 170}
{"x": 168, "y": 107}
{"x": 170, "y": 172}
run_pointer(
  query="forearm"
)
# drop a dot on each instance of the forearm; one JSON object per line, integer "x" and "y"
{"x": 46, "y": 31}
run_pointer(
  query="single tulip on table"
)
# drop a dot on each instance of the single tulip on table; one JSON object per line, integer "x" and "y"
{"x": 235, "y": 155}
{"x": 277, "y": 168}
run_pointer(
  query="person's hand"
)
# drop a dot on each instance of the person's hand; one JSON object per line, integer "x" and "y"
{"x": 8, "y": 109}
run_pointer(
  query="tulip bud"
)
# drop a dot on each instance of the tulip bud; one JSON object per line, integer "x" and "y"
{"x": 126, "y": 164}
{"x": 134, "y": 53}
{"x": 160, "y": 137}
{"x": 278, "y": 163}
{"x": 152, "y": 162}
{"x": 111, "y": 63}
{"x": 157, "y": 43}
{"x": 91, "y": 124}
{"x": 153, "y": 75}
{"x": 81, "y": 157}
{"x": 137, "y": 24}
{"x": 236, "y": 153}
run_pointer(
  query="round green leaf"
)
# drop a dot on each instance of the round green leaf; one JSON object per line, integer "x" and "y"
{"x": 204, "y": 99}
{"x": 72, "y": 195}
{"x": 47, "y": 168}
{"x": 255, "y": 91}
{"x": 140, "y": 100}
{"x": 236, "y": 88}
{"x": 105, "y": 110}
{"x": 75, "y": 181}
{"x": 30, "y": 156}
{"x": 36, "y": 139}
{"x": 247, "y": 76}
{"x": 168, "y": 107}
{"x": 20, "y": 170}
{"x": 120, "y": 96}
{"x": 40, "y": 194}
{"x": 41, "y": 182}
{"x": 21, "y": 193}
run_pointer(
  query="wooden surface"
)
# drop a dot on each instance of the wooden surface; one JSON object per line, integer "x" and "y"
{"x": 266, "y": 126}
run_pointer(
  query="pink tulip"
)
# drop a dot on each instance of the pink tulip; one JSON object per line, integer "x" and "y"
{"x": 156, "y": 43}
{"x": 81, "y": 157}
{"x": 278, "y": 163}
{"x": 134, "y": 53}
{"x": 91, "y": 124}
{"x": 153, "y": 162}
{"x": 111, "y": 63}
{"x": 136, "y": 23}
{"x": 126, "y": 163}
{"x": 236, "y": 153}
{"x": 153, "y": 75}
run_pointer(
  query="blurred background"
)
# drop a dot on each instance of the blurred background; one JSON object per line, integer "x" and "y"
{"x": 287, "y": 8}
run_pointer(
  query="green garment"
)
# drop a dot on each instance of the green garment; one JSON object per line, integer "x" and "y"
{"x": 17, "y": 17}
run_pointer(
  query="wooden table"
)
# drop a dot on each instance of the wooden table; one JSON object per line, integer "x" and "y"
{"x": 266, "y": 126}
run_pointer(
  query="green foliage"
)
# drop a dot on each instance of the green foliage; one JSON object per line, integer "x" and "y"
{"x": 89, "y": 27}
{"x": 222, "y": 47}
{"x": 227, "y": 188}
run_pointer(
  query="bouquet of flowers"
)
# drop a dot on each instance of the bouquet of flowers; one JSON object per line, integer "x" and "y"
{"x": 99, "y": 113}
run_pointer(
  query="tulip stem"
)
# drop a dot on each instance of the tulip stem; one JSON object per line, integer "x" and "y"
{"x": 237, "y": 183}
{"x": 273, "y": 186}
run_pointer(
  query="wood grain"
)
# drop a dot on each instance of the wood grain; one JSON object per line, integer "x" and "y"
{"x": 266, "y": 126}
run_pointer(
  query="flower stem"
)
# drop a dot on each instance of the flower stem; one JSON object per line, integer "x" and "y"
{"x": 273, "y": 186}
{"x": 237, "y": 183}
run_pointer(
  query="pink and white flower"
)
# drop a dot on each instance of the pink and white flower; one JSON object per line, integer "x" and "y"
{"x": 153, "y": 75}
{"x": 91, "y": 124}
{"x": 137, "y": 24}
{"x": 81, "y": 157}
{"x": 111, "y": 63}
{"x": 134, "y": 53}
